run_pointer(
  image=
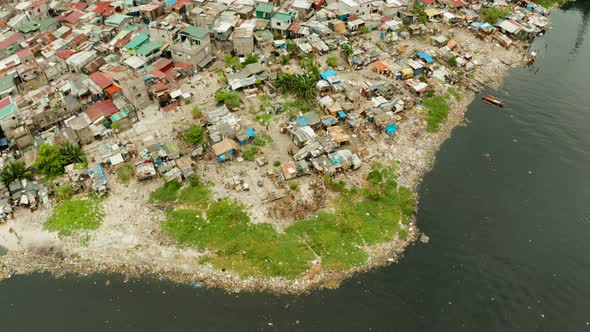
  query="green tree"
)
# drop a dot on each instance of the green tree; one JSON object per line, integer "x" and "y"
{"x": 72, "y": 154}
{"x": 232, "y": 61}
{"x": 195, "y": 135}
{"x": 49, "y": 160}
{"x": 13, "y": 171}
{"x": 302, "y": 86}
{"x": 332, "y": 61}
{"x": 231, "y": 99}
{"x": 363, "y": 30}
{"x": 346, "y": 50}
{"x": 251, "y": 58}
{"x": 420, "y": 13}
{"x": 453, "y": 62}
{"x": 493, "y": 14}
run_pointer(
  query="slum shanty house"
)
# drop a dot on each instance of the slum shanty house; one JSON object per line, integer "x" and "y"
{"x": 225, "y": 150}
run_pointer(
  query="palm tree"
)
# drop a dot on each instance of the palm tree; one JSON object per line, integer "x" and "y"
{"x": 13, "y": 171}
{"x": 302, "y": 86}
{"x": 72, "y": 153}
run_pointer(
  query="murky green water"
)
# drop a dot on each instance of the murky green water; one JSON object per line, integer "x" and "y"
{"x": 507, "y": 208}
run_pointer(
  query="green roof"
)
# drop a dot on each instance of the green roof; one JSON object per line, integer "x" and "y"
{"x": 195, "y": 32}
{"x": 265, "y": 8}
{"x": 283, "y": 17}
{"x": 149, "y": 48}
{"x": 6, "y": 111}
{"x": 116, "y": 19}
{"x": 28, "y": 26}
{"x": 137, "y": 41}
{"x": 6, "y": 83}
{"x": 45, "y": 24}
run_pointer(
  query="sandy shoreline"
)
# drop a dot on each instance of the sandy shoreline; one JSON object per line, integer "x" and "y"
{"x": 145, "y": 254}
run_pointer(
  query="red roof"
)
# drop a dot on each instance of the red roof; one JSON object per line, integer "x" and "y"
{"x": 180, "y": 3}
{"x": 182, "y": 65}
{"x": 295, "y": 27}
{"x": 170, "y": 107}
{"x": 24, "y": 53}
{"x": 79, "y": 5}
{"x": 162, "y": 63}
{"x": 5, "y": 102}
{"x": 101, "y": 7}
{"x": 112, "y": 89}
{"x": 109, "y": 11}
{"x": 65, "y": 53}
{"x": 159, "y": 87}
{"x": 428, "y": 2}
{"x": 73, "y": 17}
{"x": 158, "y": 74}
{"x": 10, "y": 40}
{"x": 39, "y": 3}
{"x": 101, "y": 79}
{"x": 457, "y": 3}
{"x": 103, "y": 108}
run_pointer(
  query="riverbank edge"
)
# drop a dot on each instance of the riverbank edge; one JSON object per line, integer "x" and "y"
{"x": 54, "y": 263}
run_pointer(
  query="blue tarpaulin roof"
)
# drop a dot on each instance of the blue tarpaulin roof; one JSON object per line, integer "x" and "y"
{"x": 391, "y": 129}
{"x": 341, "y": 114}
{"x": 302, "y": 121}
{"x": 329, "y": 121}
{"x": 425, "y": 56}
{"x": 328, "y": 73}
{"x": 250, "y": 132}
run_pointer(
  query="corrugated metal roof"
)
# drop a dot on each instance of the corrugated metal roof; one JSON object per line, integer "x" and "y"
{"x": 137, "y": 41}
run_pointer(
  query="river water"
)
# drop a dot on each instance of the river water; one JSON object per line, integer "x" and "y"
{"x": 506, "y": 207}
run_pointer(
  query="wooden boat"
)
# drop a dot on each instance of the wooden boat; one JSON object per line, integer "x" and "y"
{"x": 493, "y": 100}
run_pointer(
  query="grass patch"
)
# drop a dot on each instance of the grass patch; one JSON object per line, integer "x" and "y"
{"x": 550, "y": 3}
{"x": 194, "y": 196}
{"x": 166, "y": 194}
{"x": 454, "y": 93}
{"x": 75, "y": 215}
{"x": 125, "y": 173}
{"x": 438, "y": 111}
{"x": 224, "y": 228}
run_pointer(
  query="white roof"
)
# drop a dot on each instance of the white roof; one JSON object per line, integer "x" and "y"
{"x": 350, "y": 3}
{"x": 116, "y": 159}
{"x": 509, "y": 26}
{"x": 135, "y": 62}
{"x": 301, "y": 4}
{"x": 23, "y": 5}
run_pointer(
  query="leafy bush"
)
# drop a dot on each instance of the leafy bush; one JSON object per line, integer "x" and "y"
{"x": 332, "y": 61}
{"x": 196, "y": 112}
{"x": 276, "y": 163}
{"x": 231, "y": 99}
{"x": 250, "y": 152}
{"x": 453, "y": 62}
{"x": 63, "y": 192}
{"x": 195, "y": 135}
{"x": 251, "y": 58}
